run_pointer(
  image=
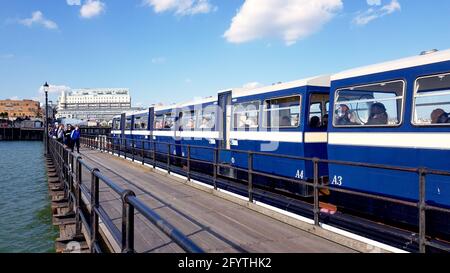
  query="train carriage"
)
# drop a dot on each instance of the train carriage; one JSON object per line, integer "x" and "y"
{"x": 163, "y": 133}
{"x": 283, "y": 119}
{"x": 117, "y": 131}
{"x": 141, "y": 130}
{"x": 199, "y": 130}
{"x": 395, "y": 114}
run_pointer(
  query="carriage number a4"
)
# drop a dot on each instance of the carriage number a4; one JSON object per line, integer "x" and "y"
{"x": 300, "y": 174}
{"x": 337, "y": 180}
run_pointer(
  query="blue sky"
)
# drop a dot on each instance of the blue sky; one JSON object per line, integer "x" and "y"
{"x": 175, "y": 50}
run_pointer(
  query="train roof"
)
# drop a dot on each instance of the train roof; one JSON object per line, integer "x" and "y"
{"x": 430, "y": 58}
{"x": 165, "y": 107}
{"x": 198, "y": 101}
{"x": 140, "y": 112}
{"x": 321, "y": 81}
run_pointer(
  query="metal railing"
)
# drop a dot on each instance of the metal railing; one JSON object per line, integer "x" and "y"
{"x": 149, "y": 150}
{"x": 89, "y": 212}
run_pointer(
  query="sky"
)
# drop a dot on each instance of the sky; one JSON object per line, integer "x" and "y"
{"x": 168, "y": 51}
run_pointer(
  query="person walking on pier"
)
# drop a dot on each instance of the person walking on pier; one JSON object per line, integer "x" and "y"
{"x": 60, "y": 134}
{"x": 67, "y": 138}
{"x": 75, "y": 136}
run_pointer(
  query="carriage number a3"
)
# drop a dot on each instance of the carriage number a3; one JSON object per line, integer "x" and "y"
{"x": 300, "y": 174}
{"x": 337, "y": 180}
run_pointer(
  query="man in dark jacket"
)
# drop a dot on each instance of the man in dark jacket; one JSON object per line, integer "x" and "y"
{"x": 67, "y": 138}
{"x": 75, "y": 137}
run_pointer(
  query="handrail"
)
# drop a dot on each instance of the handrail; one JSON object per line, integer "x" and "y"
{"x": 69, "y": 168}
{"x": 122, "y": 145}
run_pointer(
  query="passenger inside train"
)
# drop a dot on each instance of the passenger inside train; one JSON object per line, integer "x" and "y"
{"x": 378, "y": 115}
{"x": 439, "y": 116}
{"x": 314, "y": 122}
{"x": 343, "y": 115}
{"x": 325, "y": 121}
{"x": 206, "y": 123}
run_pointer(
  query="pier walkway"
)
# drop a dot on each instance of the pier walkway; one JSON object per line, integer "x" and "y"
{"x": 213, "y": 223}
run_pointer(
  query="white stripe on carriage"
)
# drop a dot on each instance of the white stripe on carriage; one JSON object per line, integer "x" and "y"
{"x": 142, "y": 133}
{"x": 199, "y": 134}
{"x": 394, "y": 140}
{"x": 316, "y": 137}
{"x": 295, "y": 137}
{"x": 117, "y": 132}
{"x": 164, "y": 133}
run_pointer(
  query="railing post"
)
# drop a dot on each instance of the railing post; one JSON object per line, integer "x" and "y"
{"x": 316, "y": 192}
{"x": 143, "y": 152}
{"x": 120, "y": 140}
{"x": 127, "y": 223}
{"x": 71, "y": 180}
{"x": 154, "y": 155}
{"x": 133, "y": 149}
{"x": 250, "y": 177}
{"x": 79, "y": 180}
{"x": 126, "y": 148}
{"x": 189, "y": 163}
{"x": 95, "y": 203}
{"x": 422, "y": 210}
{"x": 169, "y": 152}
{"x": 215, "y": 165}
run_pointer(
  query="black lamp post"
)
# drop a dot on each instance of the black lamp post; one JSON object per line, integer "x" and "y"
{"x": 46, "y": 87}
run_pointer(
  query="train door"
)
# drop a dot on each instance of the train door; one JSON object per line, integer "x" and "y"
{"x": 224, "y": 126}
{"x": 224, "y": 122}
{"x": 151, "y": 120}
{"x": 122, "y": 129}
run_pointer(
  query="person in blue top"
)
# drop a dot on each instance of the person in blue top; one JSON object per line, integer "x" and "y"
{"x": 75, "y": 136}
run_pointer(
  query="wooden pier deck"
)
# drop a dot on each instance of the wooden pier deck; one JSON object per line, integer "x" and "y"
{"x": 215, "y": 224}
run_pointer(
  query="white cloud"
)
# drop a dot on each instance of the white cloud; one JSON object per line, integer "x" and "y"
{"x": 54, "y": 89}
{"x": 14, "y": 98}
{"x": 6, "y": 56}
{"x": 181, "y": 7}
{"x": 159, "y": 60}
{"x": 374, "y": 2}
{"x": 252, "y": 85}
{"x": 73, "y": 2}
{"x": 92, "y": 8}
{"x": 363, "y": 18}
{"x": 38, "y": 18}
{"x": 290, "y": 20}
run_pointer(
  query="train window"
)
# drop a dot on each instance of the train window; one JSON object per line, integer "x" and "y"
{"x": 159, "y": 122}
{"x": 128, "y": 124}
{"x": 318, "y": 110}
{"x": 169, "y": 121}
{"x": 207, "y": 120}
{"x": 188, "y": 120}
{"x": 141, "y": 123}
{"x": 432, "y": 101}
{"x": 116, "y": 124}
{"x": 282, "y": 112}
{"x": 246, "y": 115}
{"x": 378, "y": 104}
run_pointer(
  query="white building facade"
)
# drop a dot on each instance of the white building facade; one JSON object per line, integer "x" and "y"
{"x": 99, "y": 104}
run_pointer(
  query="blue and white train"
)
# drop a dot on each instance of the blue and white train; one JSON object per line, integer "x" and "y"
{"x": 394, "y": 113}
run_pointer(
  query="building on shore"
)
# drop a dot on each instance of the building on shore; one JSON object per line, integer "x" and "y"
{"x": 94, "y": 104}
{"x": 20, "y": 109}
